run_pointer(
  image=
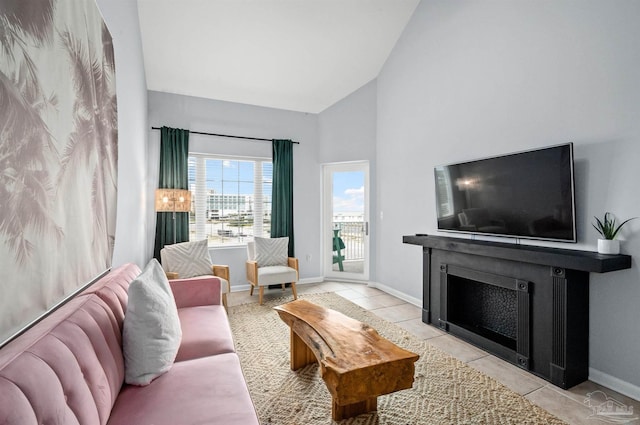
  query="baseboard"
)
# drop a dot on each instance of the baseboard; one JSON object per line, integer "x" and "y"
{"x": 389, "y": 290}
{"x": 343, "y": 280}
{"x": 616, "y": 384}
{"x": 239, "y": 288}
{"x": 307, "y": 280}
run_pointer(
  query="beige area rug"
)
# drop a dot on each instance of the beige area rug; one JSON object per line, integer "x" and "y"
{"x": 445, "y": 391}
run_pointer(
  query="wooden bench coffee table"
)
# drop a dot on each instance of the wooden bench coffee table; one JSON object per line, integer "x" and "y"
{"x": 356, "y": 363}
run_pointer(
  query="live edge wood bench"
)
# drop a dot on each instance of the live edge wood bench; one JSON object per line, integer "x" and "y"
{"x": 356, "y": 363}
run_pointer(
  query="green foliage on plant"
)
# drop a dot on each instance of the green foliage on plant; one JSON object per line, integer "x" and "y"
{"x": 607, "y": 227}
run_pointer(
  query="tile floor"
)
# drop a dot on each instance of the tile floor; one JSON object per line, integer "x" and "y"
{"x": 569, "y": 405}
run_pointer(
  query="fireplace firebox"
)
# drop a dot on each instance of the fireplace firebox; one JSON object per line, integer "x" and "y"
{"x": 490, "y": 310}
{"x": 486, "y": 309}
{"x": 528, "y": 305}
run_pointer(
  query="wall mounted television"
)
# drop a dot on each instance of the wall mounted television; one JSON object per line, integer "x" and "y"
{"x": 522, "y": 195}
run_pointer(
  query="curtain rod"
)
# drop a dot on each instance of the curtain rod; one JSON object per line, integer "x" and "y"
{"x": 226, "y": 135}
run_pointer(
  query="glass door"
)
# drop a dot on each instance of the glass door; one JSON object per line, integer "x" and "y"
{"x": 346, "y": 220}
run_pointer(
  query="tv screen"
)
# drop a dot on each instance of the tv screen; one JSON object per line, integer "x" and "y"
{"x": 523, "y": 195}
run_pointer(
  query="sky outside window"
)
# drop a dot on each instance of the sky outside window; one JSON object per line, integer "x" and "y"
{"x": 348, "y": 191}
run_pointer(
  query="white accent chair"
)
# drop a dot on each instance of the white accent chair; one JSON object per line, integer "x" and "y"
{"x": 270, "y": 275}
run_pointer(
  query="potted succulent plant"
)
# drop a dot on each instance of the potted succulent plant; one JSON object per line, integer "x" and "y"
{"x": 609, "y": 230}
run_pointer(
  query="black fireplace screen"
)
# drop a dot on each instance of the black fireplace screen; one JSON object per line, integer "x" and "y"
{"x": 488, "y": 310}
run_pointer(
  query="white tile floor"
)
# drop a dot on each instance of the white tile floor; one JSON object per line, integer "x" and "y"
{"x": 569, "y": 405}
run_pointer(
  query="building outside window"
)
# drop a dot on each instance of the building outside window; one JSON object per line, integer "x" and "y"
{"x": 231, "y": 198}
{"x": 445, "y": 192}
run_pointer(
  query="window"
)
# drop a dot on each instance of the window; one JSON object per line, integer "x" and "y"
{"x": 231, "y": 198}
{"x": 444, "y": 192}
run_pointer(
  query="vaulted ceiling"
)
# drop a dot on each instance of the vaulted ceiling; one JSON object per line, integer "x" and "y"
{"x": 300, "y": 55}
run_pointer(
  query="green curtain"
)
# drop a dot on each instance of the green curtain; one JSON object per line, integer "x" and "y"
{"x": 282, "y": 192}
{"x": 174, "y": 155}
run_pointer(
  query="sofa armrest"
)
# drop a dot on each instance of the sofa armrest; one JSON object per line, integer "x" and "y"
{"x": 197, "y": 291}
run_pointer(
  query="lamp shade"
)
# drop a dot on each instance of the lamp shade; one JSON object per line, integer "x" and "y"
{"x": 173, "y": 200}
{"x": 182, "y": 200}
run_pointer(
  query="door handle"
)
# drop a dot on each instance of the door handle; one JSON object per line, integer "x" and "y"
{"x": 366, "y": 228}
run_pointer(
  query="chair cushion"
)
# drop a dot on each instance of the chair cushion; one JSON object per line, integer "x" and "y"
{"x": 276, "y": 274}
{"x": 205, "y": 332}
{"x": 272, "y": 251}
{"x": 151, "y": 332}
{"x": 209, "y": 390}
{"x": 188, "y": 259}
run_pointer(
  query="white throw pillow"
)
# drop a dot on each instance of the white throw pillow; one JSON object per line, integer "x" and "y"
{"x": 151, "y": 333}
{"x": 272, "y": 251}
{"x": 188, "y": 259}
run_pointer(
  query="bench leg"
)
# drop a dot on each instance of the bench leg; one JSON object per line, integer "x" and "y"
{"x": 339, "y": 413}
{"x": 301, "y": 355}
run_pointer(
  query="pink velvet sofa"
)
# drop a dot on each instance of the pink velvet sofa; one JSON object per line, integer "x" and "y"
{"x": 69, "y": 368}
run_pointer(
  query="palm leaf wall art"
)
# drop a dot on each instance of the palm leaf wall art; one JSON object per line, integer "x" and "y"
{"x": 58, "y": 154}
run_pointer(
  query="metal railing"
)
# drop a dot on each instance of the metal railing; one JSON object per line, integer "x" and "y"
{"x": 352, "y": 234}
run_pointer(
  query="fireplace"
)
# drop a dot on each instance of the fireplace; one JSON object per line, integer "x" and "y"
{"x": 489, "y": 309}
{"x": 528, "y": 305}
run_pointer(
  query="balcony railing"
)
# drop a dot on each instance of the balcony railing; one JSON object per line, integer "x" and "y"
{"x": 352, "y": 234}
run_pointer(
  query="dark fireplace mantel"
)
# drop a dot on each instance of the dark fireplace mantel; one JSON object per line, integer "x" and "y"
{"x": 586, "y": 261}
{"x": 550, "y": 297}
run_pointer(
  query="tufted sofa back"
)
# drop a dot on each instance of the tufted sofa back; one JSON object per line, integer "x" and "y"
{"x": 68, "y": 369}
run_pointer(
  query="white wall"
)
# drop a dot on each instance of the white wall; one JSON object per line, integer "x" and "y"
{"x": 470, "y": 79}
{"x": 131, "y": 245}
{"x": 347, "y": 129}
{"x": 347, "y": 132}
{"x": 215, "y": 116}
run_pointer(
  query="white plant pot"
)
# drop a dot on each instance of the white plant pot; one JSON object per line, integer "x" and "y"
{"x": 608, "y": 246}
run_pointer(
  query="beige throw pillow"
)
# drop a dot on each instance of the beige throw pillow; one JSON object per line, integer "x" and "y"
{"x": 188, "y": 259}
{"x": 272, "y": 251}
{"x": 151, "y": 333}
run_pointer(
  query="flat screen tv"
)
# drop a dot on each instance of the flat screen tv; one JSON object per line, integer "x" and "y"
{"x": 522, "y": 195}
